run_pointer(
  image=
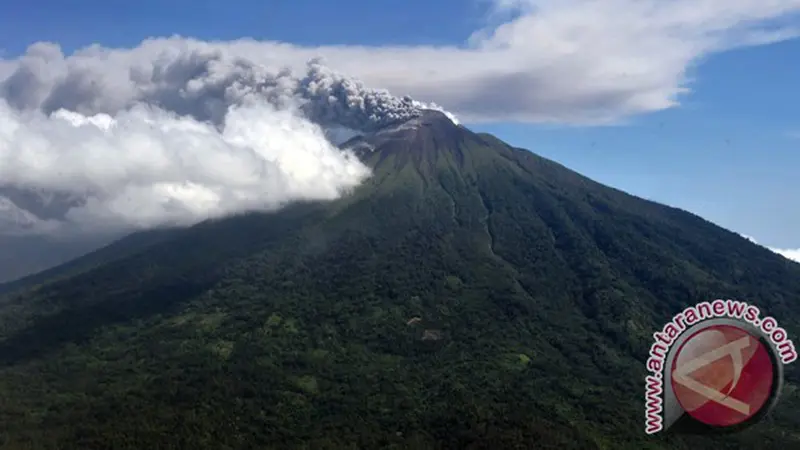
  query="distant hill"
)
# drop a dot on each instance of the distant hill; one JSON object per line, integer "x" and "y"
{"x": 469, "y": 295}
{"x": 23, "y": 254}
{"x": 78, "y": 262}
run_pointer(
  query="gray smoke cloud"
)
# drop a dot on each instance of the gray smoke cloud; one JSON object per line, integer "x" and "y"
{"x": 131, "y": 139}
{"x": 201, "y": 83}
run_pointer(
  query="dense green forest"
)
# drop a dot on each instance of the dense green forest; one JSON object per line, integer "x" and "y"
{"x": 469, "y": 295}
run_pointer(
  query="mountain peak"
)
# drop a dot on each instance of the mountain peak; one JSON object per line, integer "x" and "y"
{"x": 422, "y": 139}
{"x": 431, "y": 117}
{"x": 428, "y": 119}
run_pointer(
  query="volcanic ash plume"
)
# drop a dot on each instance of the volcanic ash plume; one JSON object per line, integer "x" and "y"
{"x": 145, "y": 138}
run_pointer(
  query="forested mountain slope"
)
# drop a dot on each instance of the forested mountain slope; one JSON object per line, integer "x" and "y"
{"x": 468, "y": 295}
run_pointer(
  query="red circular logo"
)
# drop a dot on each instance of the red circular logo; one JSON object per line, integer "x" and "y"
{"x": 722, "y": 375}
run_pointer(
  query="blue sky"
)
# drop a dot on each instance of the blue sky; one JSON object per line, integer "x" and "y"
{"x": 728, "y": 151}
{"x": 727, "y": 154}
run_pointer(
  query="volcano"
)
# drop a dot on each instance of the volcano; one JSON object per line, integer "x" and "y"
{"x": 468, "y": 295}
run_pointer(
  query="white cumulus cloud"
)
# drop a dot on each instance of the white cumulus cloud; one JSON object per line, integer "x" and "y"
{"x": 793, "y": 254}
{"x": 146, "y": 167}
{"x": 574, "y": 61}
{"x": 788, "y": 253}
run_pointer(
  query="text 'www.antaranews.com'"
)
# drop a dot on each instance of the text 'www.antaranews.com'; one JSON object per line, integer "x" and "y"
{"x": 693, "y": 317}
